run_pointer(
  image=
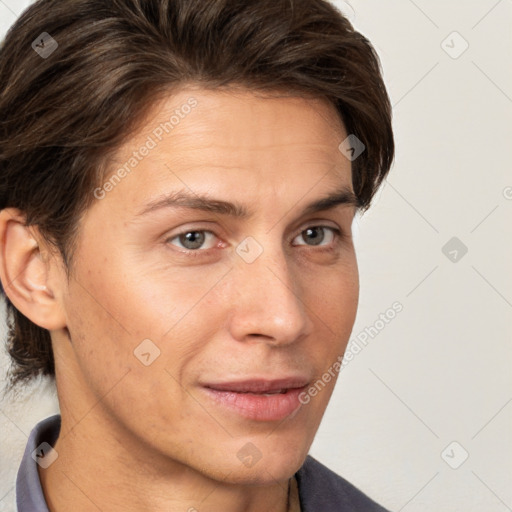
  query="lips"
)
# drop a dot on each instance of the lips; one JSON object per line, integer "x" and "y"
{"x": 258, "y": 399}
{"x": 260, "y": 386}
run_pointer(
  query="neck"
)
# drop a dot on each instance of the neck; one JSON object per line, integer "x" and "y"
{"x": 100, "y": 468}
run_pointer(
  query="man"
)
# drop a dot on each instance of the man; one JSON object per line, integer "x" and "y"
{"x": 178, "y": 184}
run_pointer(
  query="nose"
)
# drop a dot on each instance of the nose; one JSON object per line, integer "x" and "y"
{"x": 267, "y": 302}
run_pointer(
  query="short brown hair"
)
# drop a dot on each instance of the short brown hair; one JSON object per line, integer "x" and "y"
{"x": 63, "y": 112}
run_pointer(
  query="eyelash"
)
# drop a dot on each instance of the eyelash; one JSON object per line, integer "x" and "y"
{"x": 338, "y": 236}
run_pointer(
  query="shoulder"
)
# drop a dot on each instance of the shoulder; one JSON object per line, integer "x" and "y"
{"x": 322, "y": 489}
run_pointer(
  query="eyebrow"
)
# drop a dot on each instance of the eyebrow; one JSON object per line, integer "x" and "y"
{"x": 203, "y": 202}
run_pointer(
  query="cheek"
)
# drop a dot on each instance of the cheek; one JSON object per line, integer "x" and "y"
{"x": 333, "y": 301}
{"x": 106, "y": 332}
{"x": 100, "y": 342}
{"x": 334, "y": 298}
{"x": 114, "y": 309}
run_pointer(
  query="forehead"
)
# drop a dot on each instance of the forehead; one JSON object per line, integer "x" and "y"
{"x": 216, "y": 140}
{"x": 240, "y": 121}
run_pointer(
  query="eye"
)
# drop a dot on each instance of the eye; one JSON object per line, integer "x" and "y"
{"x": 193, "y": 240}
{"x": 318, "y": 235}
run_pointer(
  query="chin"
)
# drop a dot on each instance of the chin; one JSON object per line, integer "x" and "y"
{"x": 267, "y": 466}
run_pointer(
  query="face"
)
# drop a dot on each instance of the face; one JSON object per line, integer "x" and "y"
{"x": 211, "y": 288}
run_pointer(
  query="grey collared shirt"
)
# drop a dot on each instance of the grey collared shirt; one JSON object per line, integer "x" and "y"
{"x": 320, "y": 490}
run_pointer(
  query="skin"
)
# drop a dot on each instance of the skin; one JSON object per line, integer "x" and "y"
{"x": 138, "y": 437}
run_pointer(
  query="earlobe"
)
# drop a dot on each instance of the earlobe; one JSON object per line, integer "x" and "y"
{"x": 24, "y": 272}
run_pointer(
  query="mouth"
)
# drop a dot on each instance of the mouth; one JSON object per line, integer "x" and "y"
{"x": 258, "y": 399}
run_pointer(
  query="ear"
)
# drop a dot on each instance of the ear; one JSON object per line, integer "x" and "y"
{"x": 26, "y": 266}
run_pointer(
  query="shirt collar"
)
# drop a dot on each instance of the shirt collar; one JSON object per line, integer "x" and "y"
{"x": 29, "y": 493}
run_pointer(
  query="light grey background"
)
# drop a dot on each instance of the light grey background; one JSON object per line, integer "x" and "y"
{"x": 440, "y": 372}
